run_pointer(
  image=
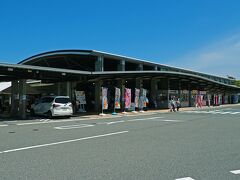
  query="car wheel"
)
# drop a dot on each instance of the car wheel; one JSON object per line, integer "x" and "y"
{"x": 49, "y": 114}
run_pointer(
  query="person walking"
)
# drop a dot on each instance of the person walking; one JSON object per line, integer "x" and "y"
{"x": 178, "y": 104}
{"x": 172, "y": 105}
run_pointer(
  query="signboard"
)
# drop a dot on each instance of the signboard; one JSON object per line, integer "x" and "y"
{"x": 194, "y": 92}
{"x": 80, "y": 97}
{"x": 203, "y": 92}
{"x": 127, "y": 98}
{"x": 104, "y": 98}
{"x": 173, "y": 91}
{"x": 117, "y": 98}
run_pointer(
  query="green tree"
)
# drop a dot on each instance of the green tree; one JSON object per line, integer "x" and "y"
{"x": 237, "y": 82}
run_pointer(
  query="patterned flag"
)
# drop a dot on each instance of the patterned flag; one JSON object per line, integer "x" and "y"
{"x": 104, "y": 98}
{"x": 137, "y": 93}
{"x": 117, "y": 98}
{"x": 127, "y": 98}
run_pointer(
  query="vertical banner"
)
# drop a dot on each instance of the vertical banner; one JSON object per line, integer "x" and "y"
{"x": 136, "y": 101}
{"x": 127, "y": 98}
{"x": 117, "y": 98}
{"x": 144, "y": 94}
{"x": 104, "y": 98}
{"x": 80, "y": 96}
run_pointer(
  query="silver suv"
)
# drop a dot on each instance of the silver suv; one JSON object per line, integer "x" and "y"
{"x": 52, "y": 106}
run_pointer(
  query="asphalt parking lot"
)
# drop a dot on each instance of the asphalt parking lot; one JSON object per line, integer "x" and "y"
{"x": 190, "y": 144}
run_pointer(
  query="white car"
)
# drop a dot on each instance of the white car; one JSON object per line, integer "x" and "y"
{"x": 53, "y": 106}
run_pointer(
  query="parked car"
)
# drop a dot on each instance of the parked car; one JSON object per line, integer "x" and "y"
{"x": 53, "y": 106}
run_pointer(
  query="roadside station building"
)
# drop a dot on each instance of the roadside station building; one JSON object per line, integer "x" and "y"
{"x": 65, "y": 71}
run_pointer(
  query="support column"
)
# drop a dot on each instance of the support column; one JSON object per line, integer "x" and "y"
{"x": 139, "y": 82}
{"x": 140, "y": 67}
{"x": 68, "y": 89}
{"x": 190, "y": 95}
{"x": 14, "y": 98}
{"x": 98, "y": 94}
{"x": 121, "y": 65}
{"x": 22, "y": 98}
{"x": 99, "y": 64}
{"x": 154, "y": 89}
{"x": 121, "y": 85}
{"x": 168, "y": 88}
{"x": 58, "y": 88}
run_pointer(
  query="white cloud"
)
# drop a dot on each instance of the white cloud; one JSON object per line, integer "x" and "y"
{"x": 221, "y": 58}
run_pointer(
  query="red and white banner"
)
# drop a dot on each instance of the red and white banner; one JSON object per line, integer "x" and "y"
{"x": 127, "y": 98}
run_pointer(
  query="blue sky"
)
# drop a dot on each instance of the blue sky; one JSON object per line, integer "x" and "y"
{"x": 202, "y": 35}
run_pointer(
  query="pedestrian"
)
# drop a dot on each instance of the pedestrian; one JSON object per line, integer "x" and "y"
{"x": 172, "y": 105}
{"x": 178, "y": 104}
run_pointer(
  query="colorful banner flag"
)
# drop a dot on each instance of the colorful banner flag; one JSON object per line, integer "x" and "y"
{"x": 104, "y": 98}
{"x": 117, "y": 98}
{"x": 144, "y": 94}
{"x": 80, "y": 97}
{"x": 127, "y": 98}
{"x": 136, "y": 101}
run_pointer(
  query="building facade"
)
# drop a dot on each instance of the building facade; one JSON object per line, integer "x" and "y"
{"x": 67, "y": 71}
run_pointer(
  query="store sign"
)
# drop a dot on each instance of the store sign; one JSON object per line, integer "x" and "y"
{"x": 185, "y": 91}
{"x": 173, "y": 91}
{"x": 194, "y": 92}
{"x": 203, "y": 92}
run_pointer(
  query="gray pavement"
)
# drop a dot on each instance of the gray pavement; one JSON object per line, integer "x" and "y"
{"x": 192, "y": 144}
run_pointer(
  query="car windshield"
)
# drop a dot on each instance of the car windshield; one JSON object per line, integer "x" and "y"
{"x": 62, "y": 100}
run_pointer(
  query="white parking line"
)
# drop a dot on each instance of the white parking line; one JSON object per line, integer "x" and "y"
{"x": 50, "y": 121}
{"x": 235, "y": 113}
{"x": 185, "y": 178}
{"x": 3, "y": 125}
{"x": 235, "y": 172}
{"x": 144, "y": 119}
{"x": 114, "y": 122}
{"x": 78, "y": 126}
{"x": 62, "y": 142}
{"x": 225, "y": 112}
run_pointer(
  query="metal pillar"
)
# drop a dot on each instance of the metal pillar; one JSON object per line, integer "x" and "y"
{"x": 22, "y": 98}
{"x": 58, "y": 88}
{"x": 121, "y": 65}
{"x": 154, "y": 88}
{"x": 98, "y": 85}
{"x": 68, "y": 89}
{"x": 99, "y": 64}
{"x": 121, "y": 85}
{"x": 14, "y": 98}
{"x": 140, "y": 67}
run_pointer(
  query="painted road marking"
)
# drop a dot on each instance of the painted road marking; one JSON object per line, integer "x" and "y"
{"x": 144, "y": 119}
{"x": 235, "y": 172}
{"x": 185, "y": 178}
{"x": 225, "y": 112}
{"x": 62, "y": 142}
{"x": 114, "y": 122}
{"x": 235, "y": 113}
{"x": 3, "y": 125}
{"x": 212, "y": 112}
{"x": 50, "y": 121}
{"x": 78, "y": 126}
{"x": 170, "y": 120}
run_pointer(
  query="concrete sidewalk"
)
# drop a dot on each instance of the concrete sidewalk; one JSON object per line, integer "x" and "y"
{"x": 92, "y": 115}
